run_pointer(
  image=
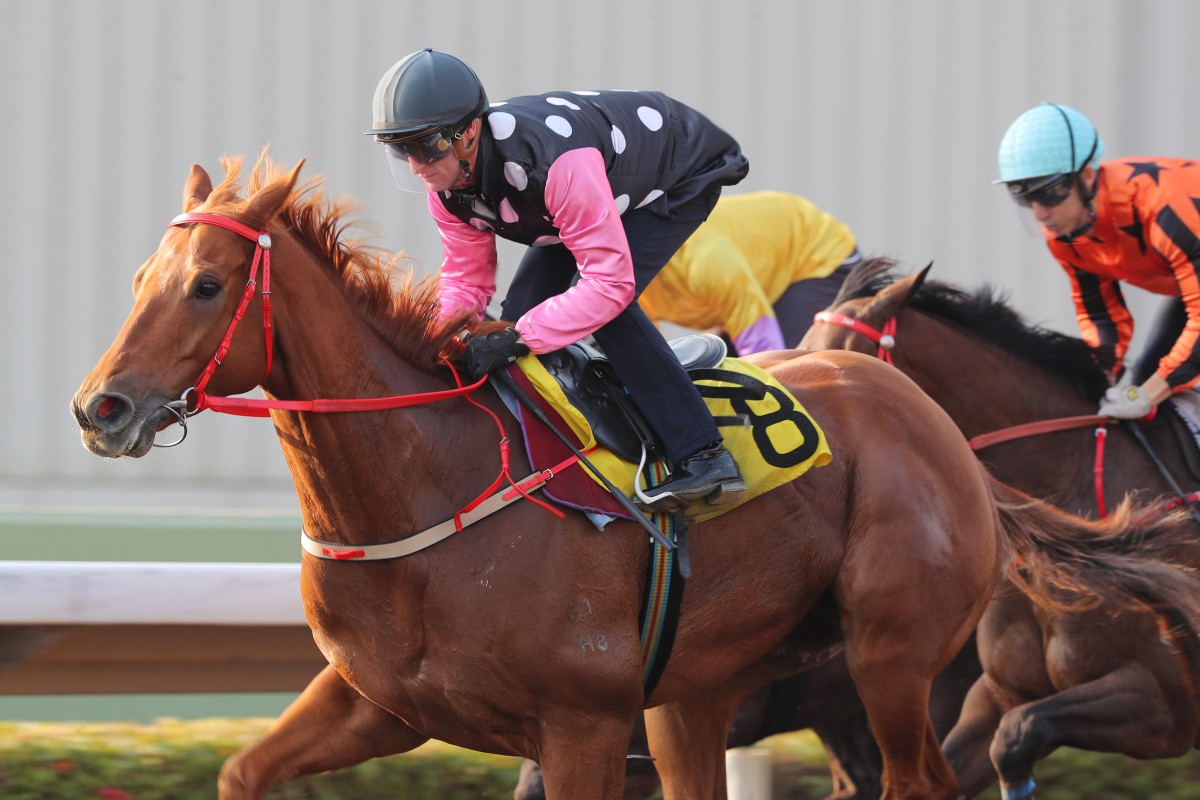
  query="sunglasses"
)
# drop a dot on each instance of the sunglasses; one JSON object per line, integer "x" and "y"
{"x": 425, "y": 149}
{"x": 1045, "y": 192}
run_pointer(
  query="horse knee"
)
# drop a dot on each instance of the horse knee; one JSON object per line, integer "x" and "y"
{"x": 1020, "y": 741}
{"x": 235, "y": 781}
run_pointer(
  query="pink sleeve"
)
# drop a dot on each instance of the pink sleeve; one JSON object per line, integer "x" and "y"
{"x": 467, "y": 279}
{"x": 579, "y": 199}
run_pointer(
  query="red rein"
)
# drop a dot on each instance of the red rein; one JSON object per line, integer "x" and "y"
{"x": 250, "y": 407}
{"x": 886, "y": 339}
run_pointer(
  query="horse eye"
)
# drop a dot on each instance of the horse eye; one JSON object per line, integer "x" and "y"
{"x": 208, "y": 288}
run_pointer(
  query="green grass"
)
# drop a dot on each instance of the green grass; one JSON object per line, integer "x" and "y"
{"x": 800, "y": 774}
{"x": 178, "y": 760}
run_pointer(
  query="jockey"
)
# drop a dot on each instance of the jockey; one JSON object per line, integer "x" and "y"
{"x": 759, "y": 268}
{"x": 1130, "y": 219}
{"x": 603, "y": 187}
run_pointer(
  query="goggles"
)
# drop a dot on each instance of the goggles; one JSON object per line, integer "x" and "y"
{"x": 424, "y": 148}
{"x": 1046, "y": 192}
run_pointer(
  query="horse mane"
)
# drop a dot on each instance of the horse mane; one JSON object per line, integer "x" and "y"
{"x": 985, "y": 314}
{"x": 382, "y": 286}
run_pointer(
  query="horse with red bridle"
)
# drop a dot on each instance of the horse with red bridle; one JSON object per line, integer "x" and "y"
{"x": 1107, "y": 678}
{"x": 518, "y": 634}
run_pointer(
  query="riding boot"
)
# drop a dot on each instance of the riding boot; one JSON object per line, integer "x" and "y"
{"x": 709, "y": 474}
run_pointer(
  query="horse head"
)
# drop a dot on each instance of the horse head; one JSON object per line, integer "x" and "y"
{"x": 185, "y": 296}
{"x": 865, "y": 310}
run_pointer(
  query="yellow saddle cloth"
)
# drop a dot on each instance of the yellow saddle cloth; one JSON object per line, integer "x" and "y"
{"x": 772, "y": 437}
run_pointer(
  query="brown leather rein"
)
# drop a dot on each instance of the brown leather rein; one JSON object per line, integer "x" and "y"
{"x": 886, "y": 340}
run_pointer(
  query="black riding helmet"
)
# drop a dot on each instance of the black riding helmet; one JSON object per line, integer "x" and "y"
{"x": 423, "y": 92}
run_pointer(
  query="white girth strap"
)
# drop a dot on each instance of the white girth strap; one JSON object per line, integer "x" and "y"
{"x": 426, "y": 538}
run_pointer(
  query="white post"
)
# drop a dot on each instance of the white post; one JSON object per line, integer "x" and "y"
{"x": 748, "y": 773}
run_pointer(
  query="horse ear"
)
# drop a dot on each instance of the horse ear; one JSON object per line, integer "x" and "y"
{"x": 904, "y": 290}
{"x": 920, "y": 279}
{"x": 267, "y": 201}
{"x": 197, "y": 188}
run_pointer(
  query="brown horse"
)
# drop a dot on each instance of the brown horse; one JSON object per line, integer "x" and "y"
{"x": 1104, "y": 679}
{"x": 518, "y": 635}
{"x": 823, "y": 699}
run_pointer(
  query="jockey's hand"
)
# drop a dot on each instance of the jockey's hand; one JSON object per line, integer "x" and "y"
{"x": 498, "y": 349}
{"x": 1126, "y": 402}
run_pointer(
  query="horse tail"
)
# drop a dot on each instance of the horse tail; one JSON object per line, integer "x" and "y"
{"x": 1067, "y": 563}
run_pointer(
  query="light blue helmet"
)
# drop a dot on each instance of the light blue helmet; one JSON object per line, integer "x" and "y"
{"x": 1048, "y": 140}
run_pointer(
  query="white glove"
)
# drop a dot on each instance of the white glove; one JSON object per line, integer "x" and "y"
{"x": 1126, "y": 402}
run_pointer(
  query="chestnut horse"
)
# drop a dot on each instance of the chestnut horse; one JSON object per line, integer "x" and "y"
{"x": 518, "y": 635}
{"x": 1104, "y": 679}
{"x": 823, "y": 699}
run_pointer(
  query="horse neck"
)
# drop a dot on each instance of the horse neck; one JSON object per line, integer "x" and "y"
{"x": 985, "y": 388}
{"x": 372, "y": 475}
{"x": 981, "y": 385}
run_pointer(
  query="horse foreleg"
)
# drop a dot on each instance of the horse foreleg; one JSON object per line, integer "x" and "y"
{"x": 641, "y": 779}
{"x": 1126, "y": 711}
{"x": 586, "y": 759}
{"x": 687, "y": 740}
{"x": 329, "y": 726}
{"x": 966, "y": 746}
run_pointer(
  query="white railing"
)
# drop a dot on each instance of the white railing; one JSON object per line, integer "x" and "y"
{"x": 147, "y": 593}
{"x": 92, "y": 627}
{"x": 102, "y": 627}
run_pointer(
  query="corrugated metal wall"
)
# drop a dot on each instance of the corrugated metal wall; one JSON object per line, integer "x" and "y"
{"x": 885, "y": 112}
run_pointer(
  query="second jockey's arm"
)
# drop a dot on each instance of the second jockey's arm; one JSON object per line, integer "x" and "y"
{"x": 1156, "y": 389}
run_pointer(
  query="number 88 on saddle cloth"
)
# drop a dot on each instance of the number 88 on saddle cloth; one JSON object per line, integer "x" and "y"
{"x": 770, "y": 434}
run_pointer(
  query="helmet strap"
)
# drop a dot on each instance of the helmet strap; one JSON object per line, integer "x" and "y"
{"x": 1068, "y": 238}
{"x": 467, "y": 178}
{"x": 465, "y": 150}
{"x": 1086, "y": 195}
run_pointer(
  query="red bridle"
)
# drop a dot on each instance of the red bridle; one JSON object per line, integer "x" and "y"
{"x": 250, "y": 407}
{"x": 262, "y": 254}
{"x": 886, "y": 339}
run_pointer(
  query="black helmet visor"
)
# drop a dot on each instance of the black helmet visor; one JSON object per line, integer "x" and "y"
{"x": 425, "y": 148}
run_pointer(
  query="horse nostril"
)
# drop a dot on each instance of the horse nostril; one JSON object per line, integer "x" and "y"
{"x": 105, "y": 407}
{"x": 107, "y": 410}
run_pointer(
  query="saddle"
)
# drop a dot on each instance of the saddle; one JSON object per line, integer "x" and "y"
{"x": 589, "y": 382}
{"x": 768, "y": 431}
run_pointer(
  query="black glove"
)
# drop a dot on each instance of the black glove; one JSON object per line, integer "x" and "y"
{"x": 497, "y": 349}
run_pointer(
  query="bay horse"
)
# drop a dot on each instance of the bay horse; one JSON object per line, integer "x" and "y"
{"x": 518, "y": 634}
{"x": 1104, "y": 679}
